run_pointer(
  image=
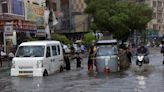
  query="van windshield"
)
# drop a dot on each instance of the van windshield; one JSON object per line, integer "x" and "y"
{"x": 30, "y": 51}
{"x": 106, "y": 51}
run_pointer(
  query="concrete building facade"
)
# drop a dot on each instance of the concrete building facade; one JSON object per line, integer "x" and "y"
{"x": 157, "y": 23}
{"x": 79, "y": 18}
{"x": 15, "y": 26}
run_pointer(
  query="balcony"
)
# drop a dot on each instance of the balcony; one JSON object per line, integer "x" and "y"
{"x": 9, "y": 16}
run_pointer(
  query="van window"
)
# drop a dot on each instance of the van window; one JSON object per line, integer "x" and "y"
{"x": 48, "y": 53}
{"x": 58, "y": 49}
{"x": 106, "y": 51}
{"x": 30, "y": 51}
{"x": 54, "y": 51}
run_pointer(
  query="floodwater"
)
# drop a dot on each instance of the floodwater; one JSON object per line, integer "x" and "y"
{"x": 149, "y": 79}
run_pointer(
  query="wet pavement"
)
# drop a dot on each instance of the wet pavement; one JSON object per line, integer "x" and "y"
{"x": 149, "y": 79}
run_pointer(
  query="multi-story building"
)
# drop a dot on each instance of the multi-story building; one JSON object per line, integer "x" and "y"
{"x": 62, "y": 14}
{"x": 13, "y": 26}
{"x": 79, "y": 18}
{"x": 34, "y": 11}
{"x": 72, "y": 21}
{"x": 157, "y": 22}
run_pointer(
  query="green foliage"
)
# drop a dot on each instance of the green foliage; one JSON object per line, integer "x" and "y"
{"x": 119, "y": 17}
{"x": 61, "y": 38}
{"x": 88, "y": 38}
{"x": 31, "y": 39}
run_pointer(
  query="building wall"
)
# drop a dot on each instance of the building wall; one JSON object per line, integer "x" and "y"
{"x": 80, "y": 20}
{"x": 15, "y": 16}
{"x": 65, "y": 18}
{"x": 157, "y": 22}
{"x": 78, "y": 6}
{"x": 34, "y": 12}
{"x": 81, "y": 23}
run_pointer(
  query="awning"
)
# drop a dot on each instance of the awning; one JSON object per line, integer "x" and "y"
{"x": 19, "y": 25}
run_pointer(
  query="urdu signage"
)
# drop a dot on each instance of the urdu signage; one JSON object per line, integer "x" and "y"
{"x": 34, "y": 13}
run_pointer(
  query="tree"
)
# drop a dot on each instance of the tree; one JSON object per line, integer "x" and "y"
{"x": 61, "y": 38}
{"x": 118, "y": 17}
{"x": 89, "y": 38}
{"x": 31, "y": 39}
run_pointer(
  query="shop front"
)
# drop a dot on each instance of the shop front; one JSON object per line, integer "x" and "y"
{"x": 13, "y": 32}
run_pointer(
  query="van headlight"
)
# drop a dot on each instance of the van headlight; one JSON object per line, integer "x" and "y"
{"x": 13, "y": 64}
{"x": 39, "y": 63}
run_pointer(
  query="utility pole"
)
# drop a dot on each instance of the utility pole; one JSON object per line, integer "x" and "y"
{"x": 70, "y": 15}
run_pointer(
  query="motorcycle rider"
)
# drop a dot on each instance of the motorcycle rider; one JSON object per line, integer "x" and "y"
{"x": 143, "y": 50}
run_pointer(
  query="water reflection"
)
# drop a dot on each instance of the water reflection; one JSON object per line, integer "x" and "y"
{"x": 141, "y": 83}
{"x": 111, "y": 75}
{"x": 19, "y": 84}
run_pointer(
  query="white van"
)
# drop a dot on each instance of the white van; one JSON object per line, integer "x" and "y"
{"x": 38, "y": 58}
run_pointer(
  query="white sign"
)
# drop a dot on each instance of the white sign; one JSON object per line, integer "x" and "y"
{"x": 8, "y": 28}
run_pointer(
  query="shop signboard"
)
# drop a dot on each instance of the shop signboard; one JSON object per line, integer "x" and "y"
{"x": 8, "y": 29}
{"x": 8, "y": 36}
{"x": 41, "y": 33}
{"x": 34, "y": 13}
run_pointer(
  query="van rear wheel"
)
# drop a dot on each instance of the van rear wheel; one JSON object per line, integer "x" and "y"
{"x": 45, "y": 73}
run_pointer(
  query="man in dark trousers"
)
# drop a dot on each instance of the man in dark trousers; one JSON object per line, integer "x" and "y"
{"x": 162, "y": 49}
{"x": 0, "y": 58}
{"x": 129, "y": 54}
{"x": 78, "y": 60}
{"x": 67, "y": 62}
{"x": 90, "y": 63}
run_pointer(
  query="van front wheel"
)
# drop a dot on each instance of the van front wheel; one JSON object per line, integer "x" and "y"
{"x": 45, "y": 73}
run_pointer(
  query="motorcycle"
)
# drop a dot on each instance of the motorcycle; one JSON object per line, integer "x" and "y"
{"x": 141, "y": 59}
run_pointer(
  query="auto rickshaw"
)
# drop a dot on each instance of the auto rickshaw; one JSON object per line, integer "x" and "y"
{"x": 106, "y": 57}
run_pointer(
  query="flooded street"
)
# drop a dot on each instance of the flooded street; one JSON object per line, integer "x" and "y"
{"x": 149, "y": 79}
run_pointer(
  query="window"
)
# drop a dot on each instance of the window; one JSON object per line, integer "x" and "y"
{"x": 58, "y": 49}
{"x": 30, "y": 51}
{"x": 4, "y": 8}
{"x": 54, "y": 51}
{"x": 154, "y": 15}
{"x": 159, "y": 15}
{"x": 48, "y": 53}
{"x": 159, "y": 3}
{"x": 155, "y": 26}
{"x": 106, "y": 51}
{"x": 159, "y": 21}
{"x": 18, "y": 7}
{"x": 154, "y": 3}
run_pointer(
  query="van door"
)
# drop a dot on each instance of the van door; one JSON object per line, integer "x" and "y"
{"x": 59, "y": 56}
{"x": 54, "y": 57}
{"x": 49, "y": 59}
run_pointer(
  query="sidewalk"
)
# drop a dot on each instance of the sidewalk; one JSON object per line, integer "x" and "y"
{"x": 5, "y": 65}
